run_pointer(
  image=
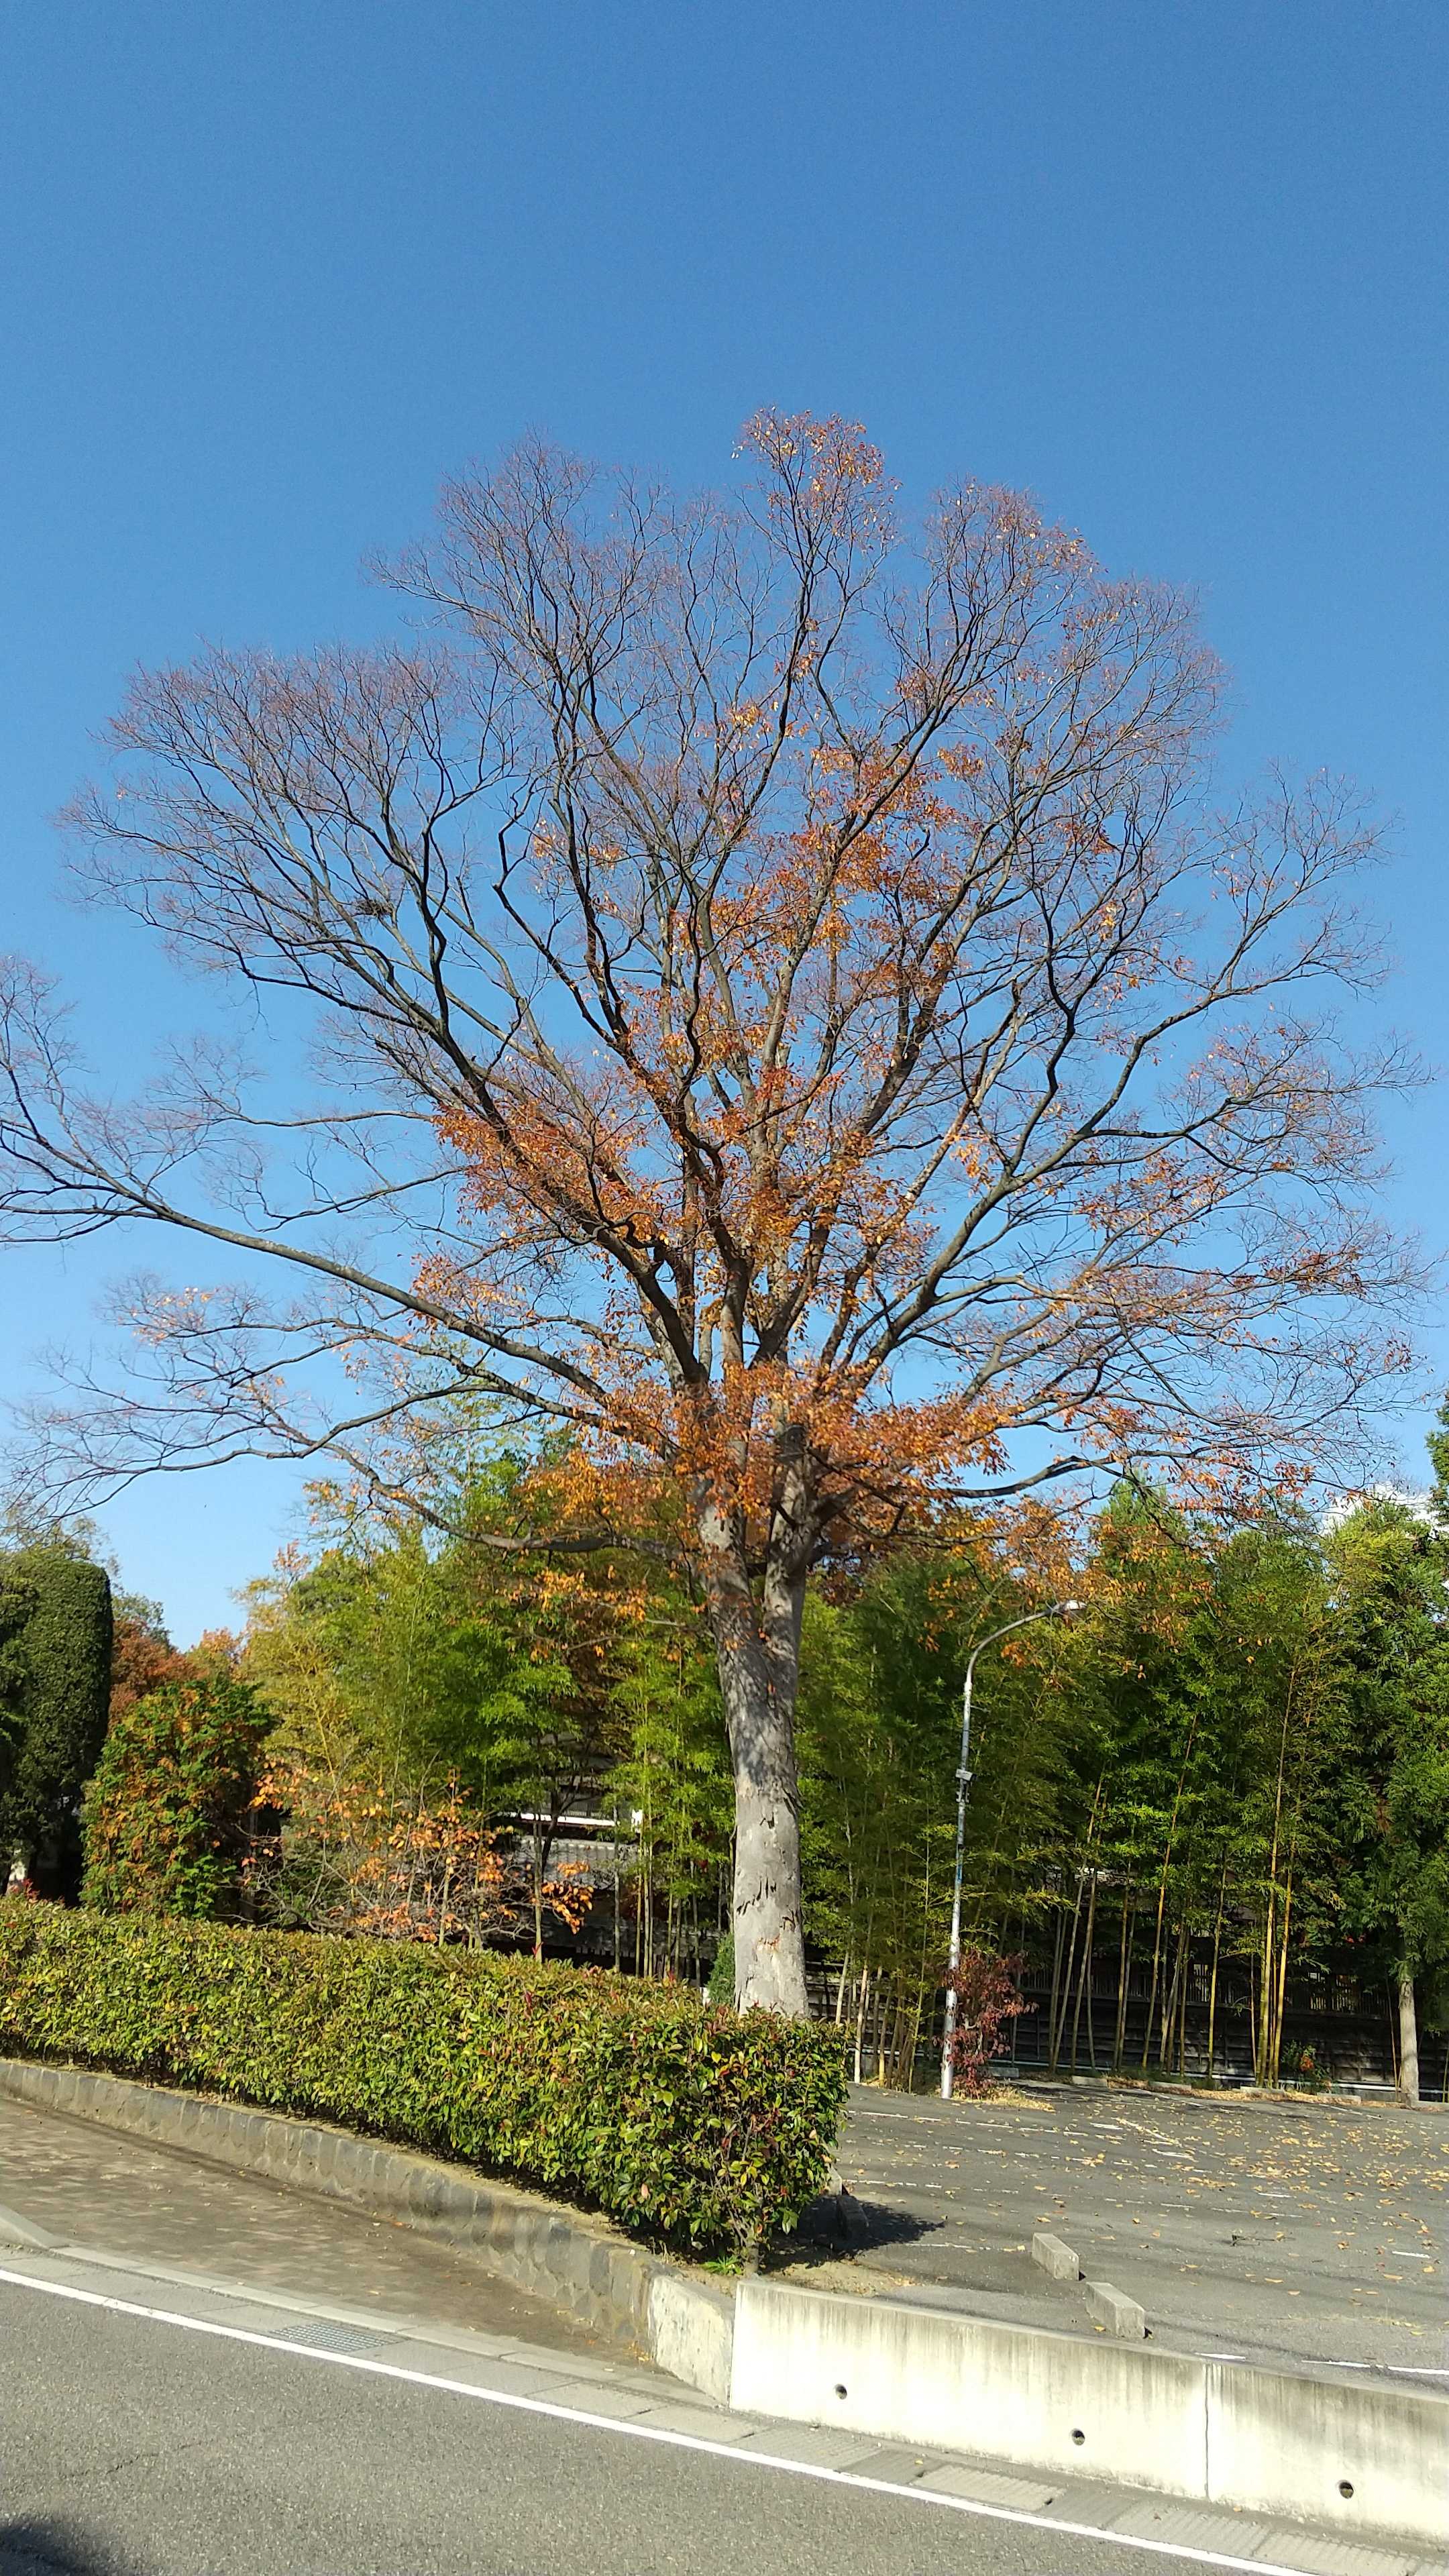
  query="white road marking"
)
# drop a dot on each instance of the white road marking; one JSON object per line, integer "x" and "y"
{"x": 651, "y": 2433}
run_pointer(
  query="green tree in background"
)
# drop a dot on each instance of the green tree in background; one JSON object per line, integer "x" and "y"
{"x": 168, "y": 1815}
{"x": 880, "y": 1721}
{"x": 668, "y": 1786}
{"x": 59, "y": 1664}
{"x": 17, "y": 1600}
{"x": 507, "y": 1690}
{"x": 1390, "y": 1838}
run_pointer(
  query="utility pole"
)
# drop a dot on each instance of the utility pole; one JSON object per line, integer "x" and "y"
{"x": 1054, "y": 1610}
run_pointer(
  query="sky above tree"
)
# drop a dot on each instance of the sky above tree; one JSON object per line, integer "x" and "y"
{"x": 273, "y": 272}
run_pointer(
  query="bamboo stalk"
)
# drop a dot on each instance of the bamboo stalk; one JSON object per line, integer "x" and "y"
{"x": 1084, "y": 1978}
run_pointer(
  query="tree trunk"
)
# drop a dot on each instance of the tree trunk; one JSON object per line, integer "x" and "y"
{"x": 1408, "y": 2041}
{"x": 757, "y": 1647}
{"x": 769, "y": 1936}
{"x": 1056, "y": 1990}
{"x": 860, "y": 2003}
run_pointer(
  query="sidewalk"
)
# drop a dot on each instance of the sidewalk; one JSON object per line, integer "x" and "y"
{"x": 87, "y": 2186}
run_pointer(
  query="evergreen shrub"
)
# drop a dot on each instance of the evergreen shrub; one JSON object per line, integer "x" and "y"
{"x": 701, "y": 2127}
{"x": 62, "y": 1690}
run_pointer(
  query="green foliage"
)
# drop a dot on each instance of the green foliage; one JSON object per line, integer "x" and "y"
{"x": 721, "y": 1987}
{"x": 17, "y": 1601}
{"x": 59, "y": 1666}
{"x": 167, "y": 1813}
{"x": 1231, "y": 1771}
{"x": 703, "y": 2127}
{"x": 526, "y": 1686}
{"x": 879, "y": 1740}
{"x": 671, "y": 1773}
{"x": 1390, "y": 1778}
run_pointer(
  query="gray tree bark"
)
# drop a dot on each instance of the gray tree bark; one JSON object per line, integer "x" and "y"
{"x": 1408, "y": 2041}
{"x": 757, "y": 1648}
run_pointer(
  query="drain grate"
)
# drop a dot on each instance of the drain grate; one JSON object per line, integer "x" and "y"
{"x": 325, "y": 2337}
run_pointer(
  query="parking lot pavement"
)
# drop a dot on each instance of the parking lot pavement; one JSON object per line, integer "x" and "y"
{"x": 1313, "y": 2231}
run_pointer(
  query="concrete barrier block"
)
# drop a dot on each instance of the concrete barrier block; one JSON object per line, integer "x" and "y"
{"x": 324, "y": 2163}
{"x": 344, "y": 2180}
{"x": 1354, "y": 2457}
{"x": 631, "y": 2287}
{"x": 1113, "y": 2309}
{"x": 932, "y": 2377}
{"x": 503, "y": 2228}
{"x": 424, "y": 2194}
{"x": 1057, "y": 2260}
{"x": 456, "y": 2214}
{"x": 691, "y": 2333}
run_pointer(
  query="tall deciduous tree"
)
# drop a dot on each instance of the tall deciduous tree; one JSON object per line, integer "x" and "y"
{"x": 800, "y": 1025}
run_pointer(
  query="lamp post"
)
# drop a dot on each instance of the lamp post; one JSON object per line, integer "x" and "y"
{"x": 1054, "y": 1610}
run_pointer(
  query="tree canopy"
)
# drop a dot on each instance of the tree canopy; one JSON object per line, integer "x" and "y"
{"x": 803, "y": 1027}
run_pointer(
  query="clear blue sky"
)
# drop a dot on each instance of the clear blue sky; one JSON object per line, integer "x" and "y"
{"x": 269, "y": 271}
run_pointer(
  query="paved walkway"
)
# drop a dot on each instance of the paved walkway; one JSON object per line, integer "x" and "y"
{"x": 94, "y": 2187}
{"x": 1310, "y": 2232}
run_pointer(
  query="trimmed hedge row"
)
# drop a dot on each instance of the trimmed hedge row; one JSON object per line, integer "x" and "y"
{"x": 691, "y": 2123}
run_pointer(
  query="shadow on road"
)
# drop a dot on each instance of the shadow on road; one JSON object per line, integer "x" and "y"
{"x": 40, "y": 2546}
{"x": 839, "y": 2222}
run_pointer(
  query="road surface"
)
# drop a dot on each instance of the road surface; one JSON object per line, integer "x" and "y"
{"x": 212, "y": 2376}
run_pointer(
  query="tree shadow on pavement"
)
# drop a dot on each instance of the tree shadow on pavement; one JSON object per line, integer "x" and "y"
{"x": 838, "y": 2222}
{"x": 40, "y": 2546}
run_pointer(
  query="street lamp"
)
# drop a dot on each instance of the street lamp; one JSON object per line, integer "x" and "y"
{"x": 1054, "y": 1610}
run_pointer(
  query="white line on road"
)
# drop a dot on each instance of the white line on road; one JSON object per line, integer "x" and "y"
{"x": 648, "y": 2432}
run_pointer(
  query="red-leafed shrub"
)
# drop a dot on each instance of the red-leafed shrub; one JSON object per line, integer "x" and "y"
{"x": 986, "y": 2000}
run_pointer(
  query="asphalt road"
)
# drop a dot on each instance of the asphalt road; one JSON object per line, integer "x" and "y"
{"x": 133, "y": 2447}
{"x": 1310, "y": 2231}
{"x": 204, "y": 2372}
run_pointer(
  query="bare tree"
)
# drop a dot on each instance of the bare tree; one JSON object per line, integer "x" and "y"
{"x": 791, "y": 1018}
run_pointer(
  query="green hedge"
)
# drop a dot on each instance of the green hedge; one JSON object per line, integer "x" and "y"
{"x": 704, "y": 2127}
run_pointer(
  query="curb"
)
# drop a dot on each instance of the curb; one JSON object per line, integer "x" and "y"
{"x": 1351, "y": 2459}
{"x": 1114, "y": 2311}
{"x": 576, "y": 2261}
